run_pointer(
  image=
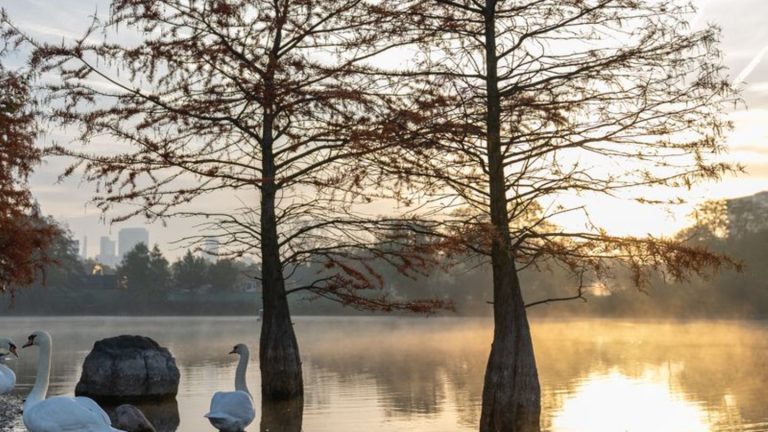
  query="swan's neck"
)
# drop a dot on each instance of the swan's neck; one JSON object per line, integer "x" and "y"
{"x": 40, "y": 390}
{"x": 242, "y": 366}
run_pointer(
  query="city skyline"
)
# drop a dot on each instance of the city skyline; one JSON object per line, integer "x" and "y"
{"x": 111, "y": 251}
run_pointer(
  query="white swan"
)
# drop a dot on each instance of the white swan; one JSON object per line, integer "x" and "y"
{"x": 60, "y": 413}
{"x": 7, "y": 377}
{"x": 233, "y": 411}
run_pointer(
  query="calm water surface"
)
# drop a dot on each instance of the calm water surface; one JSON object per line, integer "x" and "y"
{"x": 395, "y": 374}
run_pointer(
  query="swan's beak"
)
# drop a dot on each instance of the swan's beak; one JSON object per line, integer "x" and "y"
{"x": 13, "y": 351}
{"x": 28, "y": 344}
{"x": 233, "y": 352}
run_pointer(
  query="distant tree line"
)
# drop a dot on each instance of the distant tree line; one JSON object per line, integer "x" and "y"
{"x": 148, "y": 277}
{"x": 149, "y": 272}
{"x": 145, "y": 282}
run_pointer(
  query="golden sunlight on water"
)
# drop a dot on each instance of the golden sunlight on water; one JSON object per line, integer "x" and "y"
{"x": 650, "y": 376}
{"x": 613, "y": 402}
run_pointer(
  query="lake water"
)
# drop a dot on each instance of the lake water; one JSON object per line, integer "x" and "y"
{"x": 425, "y": 375}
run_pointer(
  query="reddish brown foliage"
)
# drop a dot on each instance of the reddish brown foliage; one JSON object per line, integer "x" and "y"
{"x": 23, "y": 234}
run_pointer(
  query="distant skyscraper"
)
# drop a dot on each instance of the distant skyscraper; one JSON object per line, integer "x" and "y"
{"x": 107, "y": 251}
{"x": 128, "y": 238}
{"x": 74, "y": 247}
{"x": 84, "y": 255}
{"x": 210, "y": 249}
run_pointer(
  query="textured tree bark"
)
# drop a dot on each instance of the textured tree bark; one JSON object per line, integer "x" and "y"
{"x": 511, "y": 393}
{"x": 279, "y": 359}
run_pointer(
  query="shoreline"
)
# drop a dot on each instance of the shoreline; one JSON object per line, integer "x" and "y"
{"x": 10, "y": 413}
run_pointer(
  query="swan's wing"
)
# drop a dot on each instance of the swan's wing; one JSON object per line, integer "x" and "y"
{"x": 236, "y": 407}
{"x": 7, "y": 379}
{"x": 66, "y": 414}
{"x": 91, "y": 405}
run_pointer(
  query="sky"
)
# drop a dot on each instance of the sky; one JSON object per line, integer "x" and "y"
{"x": 745, "y": 49}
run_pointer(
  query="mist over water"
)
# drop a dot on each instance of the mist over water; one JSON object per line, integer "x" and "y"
{"x": 414, "y": 374}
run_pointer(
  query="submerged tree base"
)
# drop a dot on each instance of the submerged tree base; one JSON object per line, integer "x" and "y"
{"x": 511, "y": 393}
{"x": 511, "y": 396}
{"x": 283, "y": 416}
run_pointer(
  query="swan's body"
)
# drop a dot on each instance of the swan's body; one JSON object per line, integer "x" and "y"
{"x": 61, "y": 413}
{"x": 233, "y": 411}
{"x": 64, "y": 413}
{"x": 7, "y": 376}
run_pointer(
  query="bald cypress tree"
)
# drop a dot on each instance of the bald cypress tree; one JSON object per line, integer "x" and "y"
{"x": 513, "y": 108}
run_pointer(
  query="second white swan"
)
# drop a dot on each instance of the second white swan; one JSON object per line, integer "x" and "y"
{"x": 60, "y": 413}
{"x": 233, "y": 411}
{"x": 7, "y": 377}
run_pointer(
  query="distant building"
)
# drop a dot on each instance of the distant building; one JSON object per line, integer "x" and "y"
{"x": 128, "y": 238}
{"x": 84, "y": 255}
{"x": 107, "y": 254}
{"x": 248, "y": 260}
{"x": 211, "y": 249}
{"x": 74, "y": 247}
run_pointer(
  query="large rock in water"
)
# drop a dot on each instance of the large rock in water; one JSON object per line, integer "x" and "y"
{"x": 128, "y": 368}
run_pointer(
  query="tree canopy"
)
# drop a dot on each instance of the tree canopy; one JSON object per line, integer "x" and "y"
{"x": 24, "y": 233}
{"x": 584, "y": 99}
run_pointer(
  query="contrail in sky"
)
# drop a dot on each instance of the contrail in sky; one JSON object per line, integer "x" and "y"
{"x": 751, "y": 66}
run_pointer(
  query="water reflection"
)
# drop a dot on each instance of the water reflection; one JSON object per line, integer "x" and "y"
{"x": 164, "y": 415}
{"x": 426, "y": 375}
{"x": 613, "y": 402}
{"x": 699, "y": 364}
{"x": 284, "y": 416}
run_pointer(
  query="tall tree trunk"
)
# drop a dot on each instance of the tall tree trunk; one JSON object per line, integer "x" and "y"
{"x": 511, "y": 393}
{"x": 279, "y": 358}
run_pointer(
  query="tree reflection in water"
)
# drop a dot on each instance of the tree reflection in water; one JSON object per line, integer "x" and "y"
{"x": 283, "y": 416}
